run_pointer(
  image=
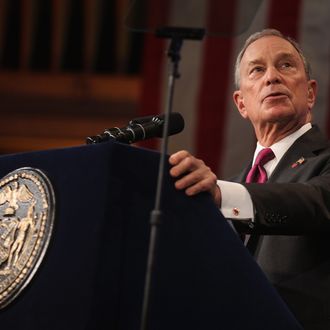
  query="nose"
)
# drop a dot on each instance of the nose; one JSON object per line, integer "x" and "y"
{"x": 272, "y": 76}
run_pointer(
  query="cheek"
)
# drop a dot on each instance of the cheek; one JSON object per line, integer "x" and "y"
{"x": 250, "y": 112}
{"x": 301, "y": 99}
{"x": 301, "y": 92}
{"x": 251, "y": 106}
{"x": 250, "y": 103}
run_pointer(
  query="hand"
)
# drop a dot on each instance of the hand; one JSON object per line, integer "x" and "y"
{"x": 193, "y": 175}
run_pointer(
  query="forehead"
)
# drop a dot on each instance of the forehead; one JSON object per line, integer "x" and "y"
{"x": 269, "y": 47}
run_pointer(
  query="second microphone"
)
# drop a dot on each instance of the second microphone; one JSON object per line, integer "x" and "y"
{"x": 140, "y": 129}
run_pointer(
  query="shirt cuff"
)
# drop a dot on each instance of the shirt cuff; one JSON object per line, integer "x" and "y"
{"x": 236, "y": 201}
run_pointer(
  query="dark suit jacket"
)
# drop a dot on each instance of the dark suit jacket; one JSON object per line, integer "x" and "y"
{"x": 292, "y": 227}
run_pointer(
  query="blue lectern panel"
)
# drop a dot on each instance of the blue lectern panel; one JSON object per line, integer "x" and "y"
{"x": 92, "y": 276}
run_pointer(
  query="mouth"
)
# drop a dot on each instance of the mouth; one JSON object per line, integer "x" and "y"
{"x": 275, "y": 96}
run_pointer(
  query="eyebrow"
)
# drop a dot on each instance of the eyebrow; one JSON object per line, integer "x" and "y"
{"x": 253, "y": 62}
{"x": 283, "y": 55}
{"x": 286, "y": 55}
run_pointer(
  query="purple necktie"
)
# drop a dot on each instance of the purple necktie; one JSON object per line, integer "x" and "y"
{"x": 258, "y": 173}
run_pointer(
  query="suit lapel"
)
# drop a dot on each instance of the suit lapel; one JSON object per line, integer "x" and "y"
{"x": 298, "y": 155}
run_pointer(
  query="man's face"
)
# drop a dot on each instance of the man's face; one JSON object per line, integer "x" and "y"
{"x": 273, "y": 84}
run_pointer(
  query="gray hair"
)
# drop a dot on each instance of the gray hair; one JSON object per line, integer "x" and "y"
{"x": 265, "y": 33}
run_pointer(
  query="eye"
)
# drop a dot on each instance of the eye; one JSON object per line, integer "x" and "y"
{"x": 256, "y": 69}
{"x": 286, "y": 65}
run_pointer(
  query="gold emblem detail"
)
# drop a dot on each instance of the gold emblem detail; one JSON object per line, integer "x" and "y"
{"x": 26, "y": 222}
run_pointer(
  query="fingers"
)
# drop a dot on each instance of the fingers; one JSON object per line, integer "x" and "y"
{"x": 179, "y": 156}
{"x": 196, "y": 182}
{"x": 183, "y": 162}
{"x": 192, "y": 173}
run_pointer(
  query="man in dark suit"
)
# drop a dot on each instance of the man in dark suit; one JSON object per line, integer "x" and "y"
{"x": 288, "y": 217}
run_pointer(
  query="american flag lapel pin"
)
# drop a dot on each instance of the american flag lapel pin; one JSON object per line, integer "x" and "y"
{"x": 298, "y": 162}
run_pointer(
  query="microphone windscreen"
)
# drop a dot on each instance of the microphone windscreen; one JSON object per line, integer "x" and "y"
{"x": 176, "y": 124}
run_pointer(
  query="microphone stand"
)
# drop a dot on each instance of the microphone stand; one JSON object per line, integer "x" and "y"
{"x": 177, "y": 36}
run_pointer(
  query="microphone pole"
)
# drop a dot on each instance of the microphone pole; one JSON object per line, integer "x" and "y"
{"x": 177, "y": 35}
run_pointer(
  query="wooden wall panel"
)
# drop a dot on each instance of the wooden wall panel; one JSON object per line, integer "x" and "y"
{"x": 41, "y": 111}
{"x": 64, "y": 71}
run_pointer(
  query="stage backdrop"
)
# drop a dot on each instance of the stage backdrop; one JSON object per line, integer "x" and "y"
{"x": 214, "y": 129}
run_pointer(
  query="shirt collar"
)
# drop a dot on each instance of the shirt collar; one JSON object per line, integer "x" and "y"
{"x": 279, "y": 148}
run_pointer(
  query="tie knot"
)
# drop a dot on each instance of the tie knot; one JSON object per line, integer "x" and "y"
{"x": 264, "y": 156}
{"x": 258, "y": 173}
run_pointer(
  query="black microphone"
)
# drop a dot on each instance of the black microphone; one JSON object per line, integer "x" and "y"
{"x": 141, "y": 128}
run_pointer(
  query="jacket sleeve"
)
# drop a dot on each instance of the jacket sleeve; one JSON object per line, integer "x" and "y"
{"x": 293, "y": 208}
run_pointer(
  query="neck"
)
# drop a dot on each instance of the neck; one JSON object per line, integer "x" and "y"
{"x": 270, "y": 134}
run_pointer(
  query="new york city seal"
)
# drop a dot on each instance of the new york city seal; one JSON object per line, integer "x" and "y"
{"x": 27, "y": 206}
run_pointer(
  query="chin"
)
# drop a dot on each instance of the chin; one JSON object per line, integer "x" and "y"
{"x": 279, "y": 114}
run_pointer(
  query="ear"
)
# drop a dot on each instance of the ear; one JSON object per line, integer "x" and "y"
{"x": 311, "y": 96}
{"x": 240, "y": 105}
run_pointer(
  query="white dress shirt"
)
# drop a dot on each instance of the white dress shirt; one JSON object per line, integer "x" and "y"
{"x": 236, "y": 200}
